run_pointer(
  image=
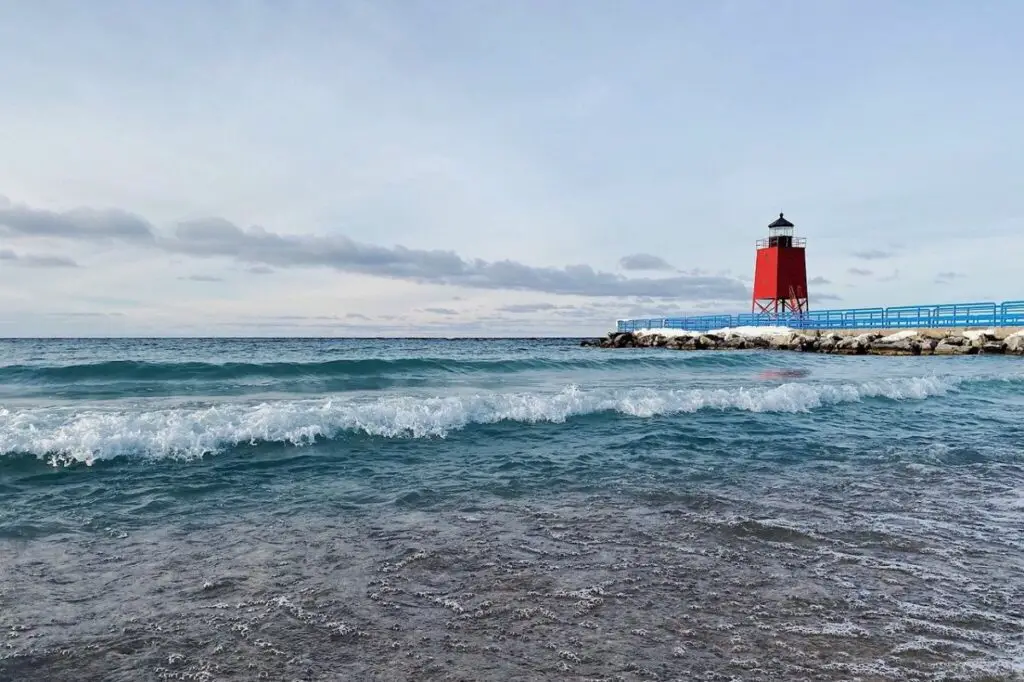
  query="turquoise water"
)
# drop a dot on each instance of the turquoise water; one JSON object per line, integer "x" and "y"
{"x": 406, "y": 509}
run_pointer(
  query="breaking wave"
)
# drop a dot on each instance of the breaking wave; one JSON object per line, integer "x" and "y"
{"x": 68, "y": 435}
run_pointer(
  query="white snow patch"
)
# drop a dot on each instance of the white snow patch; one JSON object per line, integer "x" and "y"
{"x": 748, "y": 332}
{"x": 899, "y": 336}
{"x": 667, "y": 333}
{"x": 753, "y": 331}
{"x": 974, "y": 334}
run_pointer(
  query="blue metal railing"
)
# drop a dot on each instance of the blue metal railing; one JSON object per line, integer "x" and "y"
{"x": 986, "y": 314}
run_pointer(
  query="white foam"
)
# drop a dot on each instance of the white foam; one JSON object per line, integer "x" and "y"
{"x": 88, "y": 435}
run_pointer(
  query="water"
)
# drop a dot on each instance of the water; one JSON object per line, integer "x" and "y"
{"x": 433, "y": 509}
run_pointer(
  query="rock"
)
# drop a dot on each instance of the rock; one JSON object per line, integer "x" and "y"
{"x": 980, "y": 340}
{"x": 707, "y": 342}
{"x": 904, "y": 345}
{"x": 850, "y": 345}
{"x": 827, "y": 343}
{"x": 949, "y": 347}
{"x": 623, "y": 340}
{"x": 652, "y": 341}
{"x": 733, "y": 342}
{"x": 921, "y": 342}
{"x": 805, "y": 343}
{"x": 759, "y": 342}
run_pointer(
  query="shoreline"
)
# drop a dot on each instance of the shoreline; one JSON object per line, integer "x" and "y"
{"x": 993, "y": 341}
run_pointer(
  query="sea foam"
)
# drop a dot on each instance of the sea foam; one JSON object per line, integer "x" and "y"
{"x": 67, "y": 435}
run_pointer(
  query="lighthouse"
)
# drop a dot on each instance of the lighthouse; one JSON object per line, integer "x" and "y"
{"x": 780, "y": 272}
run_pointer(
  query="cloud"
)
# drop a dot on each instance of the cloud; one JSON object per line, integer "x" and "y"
{"x": 644, "y": 261}
{"x": 891, "y": 278}
{"x": 518, "y": 308}
{"x": 441, "y": 311}
{"x": 216, "y": 237}
{"x": 202, "y": 278}
{"x": 860, "y": 272}
{"x": 37, "y": 261}
{"x": 826, "y": 297}
{"x": 819, "y": 281}
{"x": 78, "y": 223}
{"x": 260, "y": 270}
{"x": 947, "y": 277}
{"x": 357, "y": 316}
{"x": 873, "y": 254}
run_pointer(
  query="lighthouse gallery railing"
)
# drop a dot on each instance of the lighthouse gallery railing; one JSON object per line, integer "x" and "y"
{"x": 1006, "y": 314}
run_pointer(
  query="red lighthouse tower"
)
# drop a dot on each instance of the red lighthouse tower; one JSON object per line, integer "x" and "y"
{"x": 780, "y": 272}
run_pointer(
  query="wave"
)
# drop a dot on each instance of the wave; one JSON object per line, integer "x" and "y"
{"x": 65, "y": 436}
{"x": 121, "y": 370}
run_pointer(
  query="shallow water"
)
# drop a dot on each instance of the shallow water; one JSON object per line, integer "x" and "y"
{"x": 416, "y": 509}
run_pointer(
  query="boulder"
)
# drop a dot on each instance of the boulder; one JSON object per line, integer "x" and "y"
{"x": 759, "y": 341}
{"x": 734, "y": 342}
{"x": 979, "y": 340}
{"x": 652, "y": 340}
{"x": 682, "y": 342}
{"x": 675, "y": 343}
{"x": 1015, "y": 344}
{"x": 707, "y": 342}
{"x": 993, "y": 348}
{"x": 851, "y": 345}
{"x": 953, "y": 346}
{"x": 782, "y": 341}
{"x": 901, "y": 345}
{"x": 806, "y": 343}
{"x": 623, "y": 340}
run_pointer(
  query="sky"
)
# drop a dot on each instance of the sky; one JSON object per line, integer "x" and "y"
{"x": 456, "y": 167}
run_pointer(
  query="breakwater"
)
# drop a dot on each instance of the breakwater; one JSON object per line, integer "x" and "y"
{"x": 1002, "y": 341}
{"x": 931, "y": 316}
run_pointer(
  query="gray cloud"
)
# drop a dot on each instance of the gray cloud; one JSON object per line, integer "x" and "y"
{"x": 356, "y": 316}
{"x": 947, "y": 277}
{"x": 260, "y": 270}
{"x": 517, "y": 308}
{"x": 891, "y": 278}
{"x": 827, "y": 297}
{"x": 259, "y": 247}
{"x": 644, "y": 261}
{"x": 37, "y": 261}
{"x": 202, "y": 278}
{"x": 77, "y": 224}
{"x": 819, "y": 281}
{"x": 441, "y": 311}
{"x": 873, "y": 254}
{"x": 860, "y": 272}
